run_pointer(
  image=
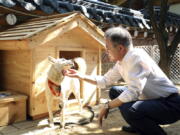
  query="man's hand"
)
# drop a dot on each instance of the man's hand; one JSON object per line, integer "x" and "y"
{"x": 104, "y": 111}
{"x": 103, "y": 114}
{"x": 75, "y": 74}
{"x": 72, "y": 73}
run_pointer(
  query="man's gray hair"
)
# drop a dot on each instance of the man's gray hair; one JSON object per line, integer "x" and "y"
{"x": 119, "y": 36}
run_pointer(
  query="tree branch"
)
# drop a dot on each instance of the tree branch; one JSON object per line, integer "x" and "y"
{"x": 174, "y": 44}
{"x": 163, "y": 14}
{"x": 161, "y": 36}
{"x": 152, "y": 16}
{"x": 162, "y": 22}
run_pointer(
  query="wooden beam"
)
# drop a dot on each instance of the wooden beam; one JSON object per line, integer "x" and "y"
{"x": 142, "y": 35}
{"x": 13, "y": 45}
{"x": 135, "y": 33}
{"x": 98, "y": 94}
{"x": 117, "y": 2}
{"x": 127, "y": 28}
{"x": 3, "y": 20}
{"x": 145, "y": 34}
{"x": 176, "y": 29}
{"x": 171, "y": 29}
{"x": 166, "y": 29}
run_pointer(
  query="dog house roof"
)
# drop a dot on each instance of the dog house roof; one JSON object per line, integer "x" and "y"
{"x": 35, "y": 26}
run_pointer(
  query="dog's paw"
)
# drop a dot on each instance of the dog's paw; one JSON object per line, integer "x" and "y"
{"x": 51, "y": 125}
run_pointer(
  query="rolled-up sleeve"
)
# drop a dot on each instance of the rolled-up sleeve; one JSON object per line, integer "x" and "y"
{"x": 138, "y": 73}
{"x": 109, "y": 78}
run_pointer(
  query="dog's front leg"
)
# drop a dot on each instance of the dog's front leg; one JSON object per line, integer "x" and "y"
{"x": 80, "y": 102}
{"x": 63, "y": 111}
{"x": 49, "y": 99}
{"x": 76, "y": 91}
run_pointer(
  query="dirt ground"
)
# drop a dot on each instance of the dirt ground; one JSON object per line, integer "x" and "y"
{"x": 111, "y": 126}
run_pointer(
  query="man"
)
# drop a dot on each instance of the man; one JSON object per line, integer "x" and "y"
{"x": 150, "y": 98}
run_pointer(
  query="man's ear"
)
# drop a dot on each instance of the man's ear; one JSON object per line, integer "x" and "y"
{"x": 51, "y": 59}
{"x": 121, "y": 47}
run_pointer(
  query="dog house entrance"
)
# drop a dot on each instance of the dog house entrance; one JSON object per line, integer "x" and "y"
{"x": 70, "y": 55}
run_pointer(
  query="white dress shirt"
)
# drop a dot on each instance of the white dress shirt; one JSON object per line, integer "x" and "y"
{"x": 144, "y": 78}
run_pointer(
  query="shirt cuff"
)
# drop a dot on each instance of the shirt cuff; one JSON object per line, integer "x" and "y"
{"x": 100, "y": 81}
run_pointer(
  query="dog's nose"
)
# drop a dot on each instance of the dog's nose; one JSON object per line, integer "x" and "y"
{"x": 71, "y": 62}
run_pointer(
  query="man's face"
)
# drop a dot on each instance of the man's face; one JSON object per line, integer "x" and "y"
{"x": 115, "y": 53}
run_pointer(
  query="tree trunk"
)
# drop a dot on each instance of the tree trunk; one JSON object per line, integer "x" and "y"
{"x": 164, "y": 65}
{"x": 161, "y": 34}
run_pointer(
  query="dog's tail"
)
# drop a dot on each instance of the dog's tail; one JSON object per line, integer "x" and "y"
{"x": 81, "y": 64}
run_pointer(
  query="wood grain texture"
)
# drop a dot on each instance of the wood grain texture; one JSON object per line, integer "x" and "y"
{"x": 10, "y": 106}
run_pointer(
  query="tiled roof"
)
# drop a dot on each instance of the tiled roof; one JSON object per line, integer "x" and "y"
{"x": 35, "y": 26}
{"x": 96, "y": 11}
{"x": 172, "y": 19}
{"x": 99, "y": 12}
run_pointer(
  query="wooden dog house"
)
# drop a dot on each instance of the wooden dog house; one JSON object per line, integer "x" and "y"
{"x": 24, "y": 50}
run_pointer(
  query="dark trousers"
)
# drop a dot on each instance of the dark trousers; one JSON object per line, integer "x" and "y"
{"x": 146, "y": 115}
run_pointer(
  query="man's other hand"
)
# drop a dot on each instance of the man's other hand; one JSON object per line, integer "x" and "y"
{"x": 103, "y": 114}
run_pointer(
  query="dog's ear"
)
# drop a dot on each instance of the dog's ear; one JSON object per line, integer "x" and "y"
{"x": 51, "y": 59}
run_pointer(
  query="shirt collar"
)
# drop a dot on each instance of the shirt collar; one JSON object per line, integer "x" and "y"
{"x": 127, "y": 55}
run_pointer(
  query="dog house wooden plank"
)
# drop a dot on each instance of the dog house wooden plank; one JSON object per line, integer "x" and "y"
{"x": 17, "y": 79}
{"x": 11, "y": 35}
{"x": 18, "y": 31}
{"x": 13, "y": 108}
{"x": 12, "y": 98}
{"x": 23, "y": 28}
{"x": 43, "y": 22}
{"x": 12, "y": 45}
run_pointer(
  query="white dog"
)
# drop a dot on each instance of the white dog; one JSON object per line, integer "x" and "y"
{"x": 59, "y": 86}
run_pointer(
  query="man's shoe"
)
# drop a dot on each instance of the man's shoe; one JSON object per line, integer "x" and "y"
{"x": 129, "y": 129}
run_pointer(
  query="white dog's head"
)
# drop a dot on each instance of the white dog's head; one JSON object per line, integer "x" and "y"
{"x": 55, "y": 71}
